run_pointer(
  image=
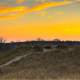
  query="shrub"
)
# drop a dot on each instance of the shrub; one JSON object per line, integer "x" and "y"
{"x": 38, "y": 48}
{"x": 48, "y": 47}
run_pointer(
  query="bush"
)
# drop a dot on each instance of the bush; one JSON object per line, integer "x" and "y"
{"x": 38, "y": 48}
{"x": 48, "y": 47}
{"x": 61, "y": 46}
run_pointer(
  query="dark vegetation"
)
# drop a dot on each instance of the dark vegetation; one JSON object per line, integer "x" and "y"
{"x": 10, "y": 50}
{"x": 49, "y": 59}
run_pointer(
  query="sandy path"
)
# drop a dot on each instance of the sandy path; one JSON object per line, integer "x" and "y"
{"x": 14, "y": 60}
{"x": 19, "y": 58}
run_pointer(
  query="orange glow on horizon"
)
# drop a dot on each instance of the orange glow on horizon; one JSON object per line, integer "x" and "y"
{"x": 46, "y": 32}
{"x": 23, "y": 24}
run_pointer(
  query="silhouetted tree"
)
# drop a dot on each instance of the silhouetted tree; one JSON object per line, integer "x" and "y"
{"x": 2, "y": 44}
{"x": 2, "y": 40}
{"x": 57, "y": 40}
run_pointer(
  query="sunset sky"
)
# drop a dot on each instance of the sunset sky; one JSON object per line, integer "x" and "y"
{"x": 46, "y": 19}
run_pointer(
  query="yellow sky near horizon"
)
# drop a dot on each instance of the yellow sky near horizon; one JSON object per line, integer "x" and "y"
{"x": 27, "y": 25}
{"x": 48, "y": 31}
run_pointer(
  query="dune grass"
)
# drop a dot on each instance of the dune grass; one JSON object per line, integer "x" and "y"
{"x": 57, "y": 64}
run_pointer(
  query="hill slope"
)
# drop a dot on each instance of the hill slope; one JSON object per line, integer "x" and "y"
{"x": 54, "y": 64}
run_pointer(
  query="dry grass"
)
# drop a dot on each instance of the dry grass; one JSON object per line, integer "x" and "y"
{"x": 57, "y": 64}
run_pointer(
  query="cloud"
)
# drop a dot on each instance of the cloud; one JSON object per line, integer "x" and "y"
{"x": 17, "y": 11}
{"x": 19, "y": 1}
{"x": 48, "y": 4}
{"x": 73, "y": 0}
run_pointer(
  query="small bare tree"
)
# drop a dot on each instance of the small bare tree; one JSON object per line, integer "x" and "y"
{"x": 57, "y": 40}
{"x": 2, "y": 40}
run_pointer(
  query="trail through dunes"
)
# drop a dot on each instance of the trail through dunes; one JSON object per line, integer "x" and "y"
{"x": 14, "y": 60}
{"x": 57, "y": 64}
